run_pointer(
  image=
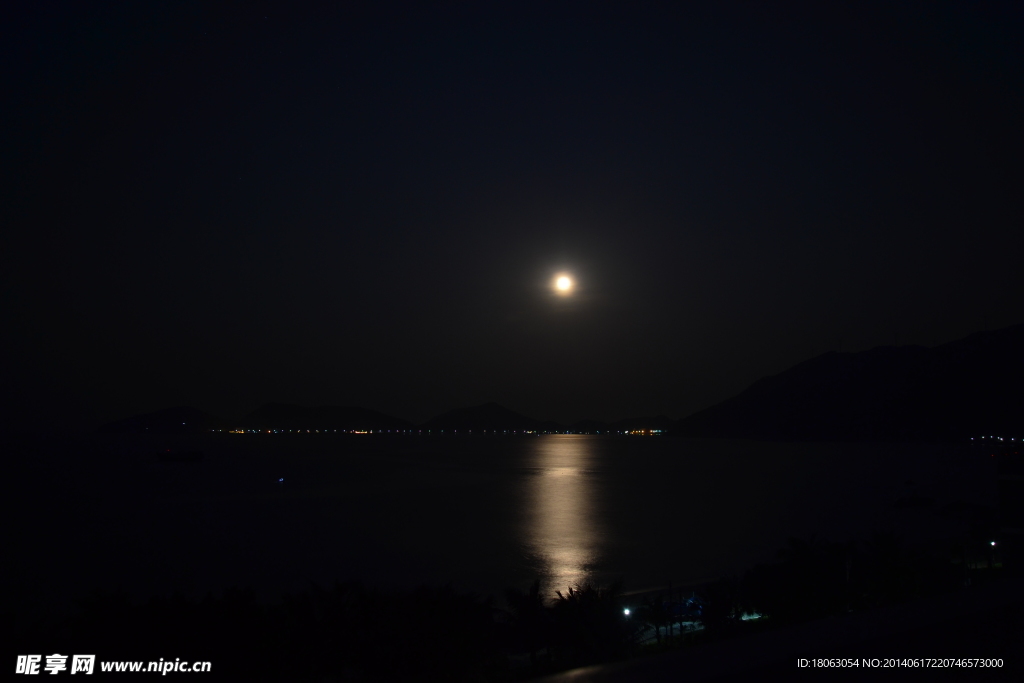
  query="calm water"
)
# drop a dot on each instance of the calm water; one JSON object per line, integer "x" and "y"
{"x": 479, "y": 513}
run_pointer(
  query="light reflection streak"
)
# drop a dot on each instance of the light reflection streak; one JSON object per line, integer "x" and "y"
{"x": 561, "y": 527}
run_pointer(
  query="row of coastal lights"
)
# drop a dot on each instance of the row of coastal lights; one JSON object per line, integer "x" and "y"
{"x": 373, "y": 431}
{"x": 633, "y": 432}
{"x": 309, "y": 431}
{"x": 1002, "y": 440}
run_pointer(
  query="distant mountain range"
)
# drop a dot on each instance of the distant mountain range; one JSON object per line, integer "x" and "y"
{"x": 184, "y": 420}
{"x": 488, "y": 417}
{"x": 180, "y": 420}
{"x": 964, "y": 388}
{"x": 285, "y": 416}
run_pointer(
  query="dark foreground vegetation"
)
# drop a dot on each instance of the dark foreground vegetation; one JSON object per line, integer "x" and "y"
{"x": 353, "y": 633}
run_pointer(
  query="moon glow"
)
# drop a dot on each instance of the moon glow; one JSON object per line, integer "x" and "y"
{"x": 563, "y": 284}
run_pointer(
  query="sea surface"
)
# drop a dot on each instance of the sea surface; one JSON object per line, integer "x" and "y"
{"x": 482, "y": 514}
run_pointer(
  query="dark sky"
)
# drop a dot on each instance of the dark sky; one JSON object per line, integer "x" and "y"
{"x": 224, "y": 207}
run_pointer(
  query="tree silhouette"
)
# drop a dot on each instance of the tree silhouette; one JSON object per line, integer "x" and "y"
{"x": 589, "y": 623}
{"x": 531, "y": 621}
{"x": 721, "y": 606}
{"x": 654, "y": 614}
{"x": 814, "y": 579}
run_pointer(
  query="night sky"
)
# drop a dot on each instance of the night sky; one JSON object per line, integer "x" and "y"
{"x": 225, "y": 207}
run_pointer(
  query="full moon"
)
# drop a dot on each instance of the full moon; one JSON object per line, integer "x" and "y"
{"x": 563, "y": 284}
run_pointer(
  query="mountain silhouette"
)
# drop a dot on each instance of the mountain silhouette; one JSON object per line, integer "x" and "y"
{"x": 589, "y": 426}
{"x": 953, "y": 391}
{"x": 489, "y": 417}
{"x": 179, "y": 420}
{"x": 629, "y": 424}
{"x": 287, "y": 416}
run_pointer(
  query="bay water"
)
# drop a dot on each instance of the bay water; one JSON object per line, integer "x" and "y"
{"x": 480, "y": 513}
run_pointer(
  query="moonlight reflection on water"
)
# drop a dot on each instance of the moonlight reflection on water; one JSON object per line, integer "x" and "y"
{"x": 562, "y": 530}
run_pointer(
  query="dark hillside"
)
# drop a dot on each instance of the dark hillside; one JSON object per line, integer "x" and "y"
{"x": 953, "y": 391}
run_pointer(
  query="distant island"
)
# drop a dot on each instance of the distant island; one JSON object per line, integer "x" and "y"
{"x": 957, "y": 390}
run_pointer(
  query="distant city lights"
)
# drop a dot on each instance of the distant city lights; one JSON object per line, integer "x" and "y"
{"x": 532, "y": 432}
